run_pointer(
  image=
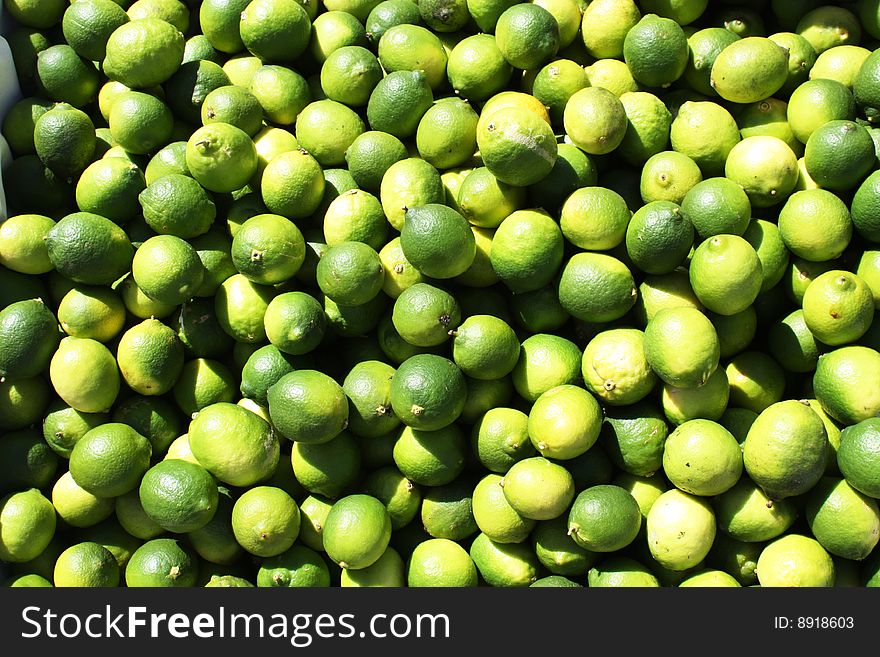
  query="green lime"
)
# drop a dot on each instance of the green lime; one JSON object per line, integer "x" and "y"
{"x": 717, "y": 206}
{"x": 659, "y": 238}
{"x": 516, "y": 145}
{"x": 162, "y": 562}
{"x": 177, "y": 205}
{"x": 150, "y": 357}
{"x": 299, "y": 566}
{"x": 839, "y": 155}
{"x": 863, "y": 203}
{"x": 28, "y": 335}
{"x": 485, "y": 347}
{"x": 143, "y": 53}
{"x": 845, "y": 522}
{"x": 447, "y": 511}
{"x": 604, "y": 518}
{"x": 839, "y": 383}
{"x": 745, "y": 513}
{"x": 430, "y": 457}
{"x": 234, "y": 105}
{"x": 527, "y": 250}
{"x": 681, "y": 346}
{"x": 329, "y": 468}
{"x": 476, "y": 68}
{"x": 275, "y": 30}
{"x": 595, "y": 120}
{"x": 398, "y": 102}
{"x": 110, "y": 188}
{"x": 815, "y": 103}
{"x": 178, "y": 496}
{"x": 87, "y": 248}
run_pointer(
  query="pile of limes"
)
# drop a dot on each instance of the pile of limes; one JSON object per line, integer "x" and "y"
{"x": 441, "y": 293}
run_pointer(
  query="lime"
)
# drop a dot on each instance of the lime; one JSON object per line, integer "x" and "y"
{"x": 362, "y": 516}
{"x": 85, "y": 375}
{"x": 329, "y": 468}
{"x": 28, "y": 524}
{"x": 862, "y": 208}
{"x": 87, "y": 248}
{"x": 816, "y": 102}
{"x": 795, "y": 560}
{"x": 784, "y": 451}
{"x": 28, "y": 335}
{"x": 162, "y": 562}
{"x": 150, "y": 357}
{"x": 705, "y": 46}
{"x": 839, "y": 155}
{"x": 177, "y": 205}
{"x": 504, "y": 565}
{"x": 706, "y": 133}
{"x": 838, "y": 307}
{"x": 400, "y": 496}
{"x": 726, "y": 274}
{"x": 86, "y": 565}
{"x": 167, "y": 269}
{"x": 283, "y": 94}
{"x": 179, "y": 496}
{"x": 494, "y": 515}
{"x": 680, "y": 530}
{"x": 702, "y": 458}
{"x": 143, "y": 53}
{"x": 265, "y": 521}
{"x": 538, "y": 489}
{"x": 845, "y": 522}
{"x": 275, "y": 30}
{"x": 221, "y": 157}
{"x": 441, "y": 562}
{"x": 595, "y": 120}
{"x": 659, "y": 237}
{"x": 233, "y": 444}
{"x": 717, "y": 206}
{"x": 621, "y": 572}
{"x": 293, "y": 184}
{"x": 298, "y": 566}
{"x": 430, "y": 457}
{"x": 681, "y": 346}
{"x": 517, "y": 146}
{"x": 594, "y": 218}
{"x": 604, "y": 518}
{"x": 398, "y": 102}
{"x": 749, "y": 70}
{"x": 856, "y": 456}
{"x": 838, "y": 383}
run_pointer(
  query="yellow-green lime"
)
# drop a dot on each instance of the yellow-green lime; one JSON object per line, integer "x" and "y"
{"x": 857, "y": 456}
{"x": 221, "y": 157}
{"x": 726, "y": 274}
{"x": 23, "y": 244}
{"x": 85, "y": 375}
{"x": 517, "y": 146}
{"x": 702, "y": 458}
{"x": 840, "y": 63}
{"x": 595, "y": 120}
{"x": 844, "y": 521}
{"x": 680, "y": 530}
{"x": 500, "y": 438}
{"x": 167, "y": 269}
{"x": 485, "y": 347}
{"x": 424, "y": 315}
{"x": 838, "y": 307}
{"x": 409, "y": 183}
{"x": 681, "y": 346}
{"x": 784, "y": 451}
{"x": 704, "y": 47}
{"x": 476, "y": 68}
{"x": 86, "y": 564}
{"x": 668, "y": 176}
{"x": 795, "y": 560}
{"x": 527, "y": 250}
{"x": 236, "y": 446}
{"x": 749, "y": 70}
{"x": 265, "y": 521}
{"x": 706, "y": 133}
{"x": 440, "y": 562}
{"x": 765, "y": 167}
{"x": 494, "y": 515}
{"x": 594, "y": 218}
{"x": 745, "y": 513}
{"x": 615, "y": 369}
{"x": 538, "y": 489}
{"x": 28, "y": 525}
{"x": 707, "y": 402}
{"x": 359, "y": 517}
